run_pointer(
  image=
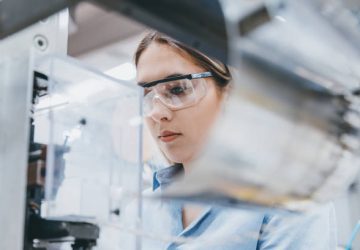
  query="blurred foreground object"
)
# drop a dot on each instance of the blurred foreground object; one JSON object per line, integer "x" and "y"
{"x": 289, "y": 135}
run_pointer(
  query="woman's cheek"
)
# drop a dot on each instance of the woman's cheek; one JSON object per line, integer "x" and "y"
{"x": 150, "y": 126}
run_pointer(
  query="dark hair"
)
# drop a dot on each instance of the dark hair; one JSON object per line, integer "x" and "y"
{"x": 219, "y": 70}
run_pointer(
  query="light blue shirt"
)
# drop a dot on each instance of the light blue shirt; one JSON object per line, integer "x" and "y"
{"x": 219, "y": 228}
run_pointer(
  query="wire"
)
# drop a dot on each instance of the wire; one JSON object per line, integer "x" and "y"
{"x": 353, "y": 235}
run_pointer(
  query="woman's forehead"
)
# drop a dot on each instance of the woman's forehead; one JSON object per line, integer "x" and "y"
{"x": 160, "y": 60}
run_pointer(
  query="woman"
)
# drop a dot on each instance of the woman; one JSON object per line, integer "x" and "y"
{"x": 184, "y": 92}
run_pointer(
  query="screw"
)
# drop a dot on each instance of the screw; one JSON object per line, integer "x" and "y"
{"x": 40, "y": 42}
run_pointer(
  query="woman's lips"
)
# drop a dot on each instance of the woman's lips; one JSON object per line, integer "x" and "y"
{"x": 168, "y": 136}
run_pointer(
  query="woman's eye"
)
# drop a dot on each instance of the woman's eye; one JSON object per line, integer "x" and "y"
{"x": 177, "y": 90}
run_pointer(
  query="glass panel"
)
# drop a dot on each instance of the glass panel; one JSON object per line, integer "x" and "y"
{"x": 92, "y": 126}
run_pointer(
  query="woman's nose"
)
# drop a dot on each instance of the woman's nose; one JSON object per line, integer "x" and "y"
{"x": 160, "y": 112}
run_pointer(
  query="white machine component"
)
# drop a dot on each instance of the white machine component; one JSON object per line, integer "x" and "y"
{"x": 17, "y": 54}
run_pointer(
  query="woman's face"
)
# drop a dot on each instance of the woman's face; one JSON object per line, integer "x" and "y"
{"x": 179, "y": 134}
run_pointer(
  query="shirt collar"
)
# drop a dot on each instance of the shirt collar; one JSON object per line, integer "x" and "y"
{"x": 165, "y": 176}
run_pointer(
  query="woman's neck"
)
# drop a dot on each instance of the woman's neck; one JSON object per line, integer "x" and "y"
{"x": 186, "y": 168}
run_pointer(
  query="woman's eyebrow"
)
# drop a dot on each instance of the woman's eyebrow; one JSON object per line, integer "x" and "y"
{"x": 168, "y": 76}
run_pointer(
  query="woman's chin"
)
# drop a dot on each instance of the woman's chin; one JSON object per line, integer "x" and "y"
{"x": 176, "y": 158}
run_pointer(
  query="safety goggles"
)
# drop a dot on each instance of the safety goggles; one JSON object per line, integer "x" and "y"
{"x": 176, "y": 92}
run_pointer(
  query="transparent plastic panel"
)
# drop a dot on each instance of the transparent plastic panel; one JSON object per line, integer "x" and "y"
{"x": 92, "y": 126}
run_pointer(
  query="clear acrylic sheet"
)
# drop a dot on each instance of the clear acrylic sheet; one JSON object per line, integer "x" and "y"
{"x": 92, "y": 125}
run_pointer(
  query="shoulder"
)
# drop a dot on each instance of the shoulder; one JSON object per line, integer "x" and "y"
{"x": 312, "y": 230}
{"x": 239, "y": 219}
